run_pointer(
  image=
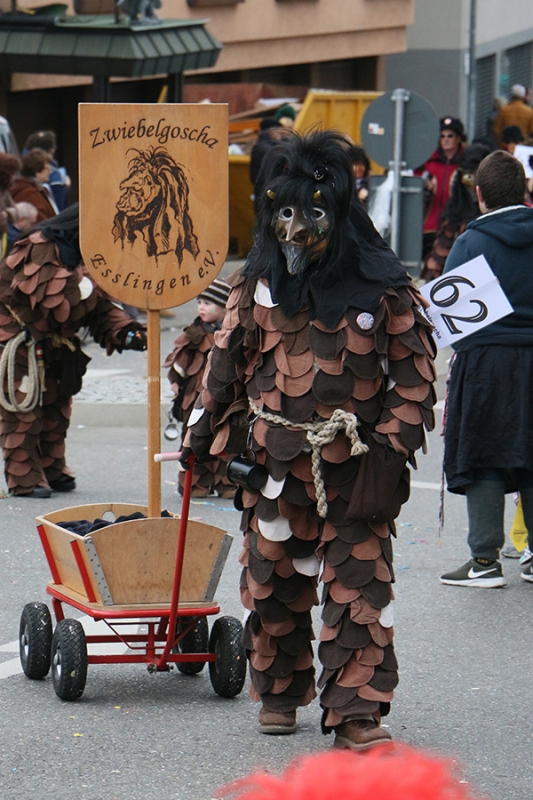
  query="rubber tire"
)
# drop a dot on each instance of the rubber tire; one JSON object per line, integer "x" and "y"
{"x": 35, "y": 640}
{"x": 196, "y": 641}
{"x": 69, "y": 659}
{"x": 228, "y": 672}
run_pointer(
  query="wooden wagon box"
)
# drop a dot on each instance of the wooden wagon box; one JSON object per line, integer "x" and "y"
{"x": 132, "y": 563}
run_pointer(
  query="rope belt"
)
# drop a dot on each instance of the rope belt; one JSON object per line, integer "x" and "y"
{"x": 59, "y": 341}
{"x": 319, "y": 434}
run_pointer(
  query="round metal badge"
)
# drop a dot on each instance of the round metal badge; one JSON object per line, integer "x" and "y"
{"x": 365, "y": 321}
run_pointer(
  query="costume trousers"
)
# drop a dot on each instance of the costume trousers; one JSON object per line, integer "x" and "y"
{"x": 279, "y": 587}
{"x": 209, "y": 478}
{"x": 33, "y": 442}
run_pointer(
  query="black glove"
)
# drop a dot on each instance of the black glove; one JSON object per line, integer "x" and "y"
{"x": 185, "y": 455}
{"x": 135, "y": 340}
{"x": 187, "y": 452}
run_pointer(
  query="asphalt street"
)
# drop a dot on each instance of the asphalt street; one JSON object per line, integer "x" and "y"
{"x": 137, "y": 735}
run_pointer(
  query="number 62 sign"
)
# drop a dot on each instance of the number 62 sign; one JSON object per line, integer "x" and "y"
{"x": 463, "y": 301}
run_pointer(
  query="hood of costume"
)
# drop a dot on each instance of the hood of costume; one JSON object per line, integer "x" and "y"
{"x": 356, "y": 265}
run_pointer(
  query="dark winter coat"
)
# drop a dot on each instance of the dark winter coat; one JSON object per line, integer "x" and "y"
{"x": 489, "y": 420}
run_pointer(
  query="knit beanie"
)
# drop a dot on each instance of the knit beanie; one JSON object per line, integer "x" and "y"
{"x": 285, "y": 111}
{"x": 217, "y": 293}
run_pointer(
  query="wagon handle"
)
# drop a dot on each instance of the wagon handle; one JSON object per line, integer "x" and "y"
{"x": 180, "y": 552}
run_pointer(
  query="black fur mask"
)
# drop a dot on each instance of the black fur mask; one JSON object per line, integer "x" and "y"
{"x": 355, "y": 266}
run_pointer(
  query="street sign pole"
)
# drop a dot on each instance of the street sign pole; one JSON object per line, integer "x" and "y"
{"x": 399, "y": 131}
{"x": 399, "y": 98}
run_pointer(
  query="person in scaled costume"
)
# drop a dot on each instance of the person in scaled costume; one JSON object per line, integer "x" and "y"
{"x": 323, "y": 354}
{"x": 187, "y": 364}
{"x": 46, "y": 297}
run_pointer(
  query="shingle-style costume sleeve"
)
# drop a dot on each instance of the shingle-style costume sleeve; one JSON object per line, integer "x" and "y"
{"x": 380, "y": 368}
{"x": 187, "y": 364}
{"x": 52, "y": 302}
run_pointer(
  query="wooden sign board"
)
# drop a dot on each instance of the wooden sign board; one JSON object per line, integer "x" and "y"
{"x": 153, "y": 199}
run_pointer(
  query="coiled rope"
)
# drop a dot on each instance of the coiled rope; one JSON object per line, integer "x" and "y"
{"x": 8, "y": 400}
{"x": 319, "y": 434}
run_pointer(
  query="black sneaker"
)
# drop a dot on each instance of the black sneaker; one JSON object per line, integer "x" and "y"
{"x": 488, "y": 576}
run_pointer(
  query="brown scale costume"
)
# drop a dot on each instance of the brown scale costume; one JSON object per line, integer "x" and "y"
{"x": 356, "y": 341}
{"x": 39, "y": 292}
{"x": 187, "y": 364}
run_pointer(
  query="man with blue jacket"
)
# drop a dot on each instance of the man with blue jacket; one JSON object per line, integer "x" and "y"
{"x": 489, "y": 425}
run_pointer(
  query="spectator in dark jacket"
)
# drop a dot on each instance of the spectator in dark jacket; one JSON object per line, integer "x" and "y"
{"x": 58, "y": 180}
{"x": 489, "y": 421}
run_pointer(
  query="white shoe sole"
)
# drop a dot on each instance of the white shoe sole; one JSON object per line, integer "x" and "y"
{"x": 528, "y": 578}
{"x": 479, "y": 583}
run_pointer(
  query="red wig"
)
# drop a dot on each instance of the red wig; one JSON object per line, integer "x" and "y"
{"x": 403, "y": 774}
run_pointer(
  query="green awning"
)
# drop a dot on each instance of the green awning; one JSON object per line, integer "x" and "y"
{"x": 99, "y": 46}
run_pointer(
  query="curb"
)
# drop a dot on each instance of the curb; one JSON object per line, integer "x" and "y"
{"x": 112, "y": 415}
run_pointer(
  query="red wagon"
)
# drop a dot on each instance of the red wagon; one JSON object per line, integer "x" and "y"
{"x": 159, "y": 573}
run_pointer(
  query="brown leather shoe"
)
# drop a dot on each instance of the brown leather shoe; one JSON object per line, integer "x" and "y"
{"x": 361, "y": 734}
{"x": 276, "y": 722}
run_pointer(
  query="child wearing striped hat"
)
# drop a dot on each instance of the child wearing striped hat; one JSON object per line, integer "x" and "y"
{"x": 187, "y": 364}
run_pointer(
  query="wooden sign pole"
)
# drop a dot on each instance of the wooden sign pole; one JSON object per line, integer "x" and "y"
{"x": 153, "y": 217}
{"x": 154, "y": 412}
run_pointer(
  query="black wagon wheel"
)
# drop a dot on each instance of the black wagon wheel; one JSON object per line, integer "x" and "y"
{"x": 35, "y": 639}
{"x": 228, "y": 672}
{"x": 69, "y": 659}
{"x": 195, "y": 641}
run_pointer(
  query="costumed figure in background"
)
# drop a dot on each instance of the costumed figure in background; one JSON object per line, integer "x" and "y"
{"x": 461, "y": 208}
{"x": 325, "y": 355}
{"x": 187, "y": 364}
{"x": 46, "y": 296}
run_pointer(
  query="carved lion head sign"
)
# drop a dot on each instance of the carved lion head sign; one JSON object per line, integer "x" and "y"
{"x": 153, "y": 199}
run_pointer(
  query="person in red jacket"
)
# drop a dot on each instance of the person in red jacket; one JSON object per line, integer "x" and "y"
{"x": 438, "y": 171}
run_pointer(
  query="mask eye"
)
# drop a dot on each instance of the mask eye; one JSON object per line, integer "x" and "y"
{"x": 319, "y": 213}
{"x": 286, "y": 213}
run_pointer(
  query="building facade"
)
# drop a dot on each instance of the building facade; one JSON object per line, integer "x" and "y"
{"x": 329, "y": 44}
{"x": 436, "y": 62}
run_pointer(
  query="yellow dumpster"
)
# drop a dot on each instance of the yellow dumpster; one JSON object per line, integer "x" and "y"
{"x": 341, "y": 111}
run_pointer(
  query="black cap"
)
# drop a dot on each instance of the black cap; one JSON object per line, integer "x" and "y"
{"x": 453, "y": 124}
